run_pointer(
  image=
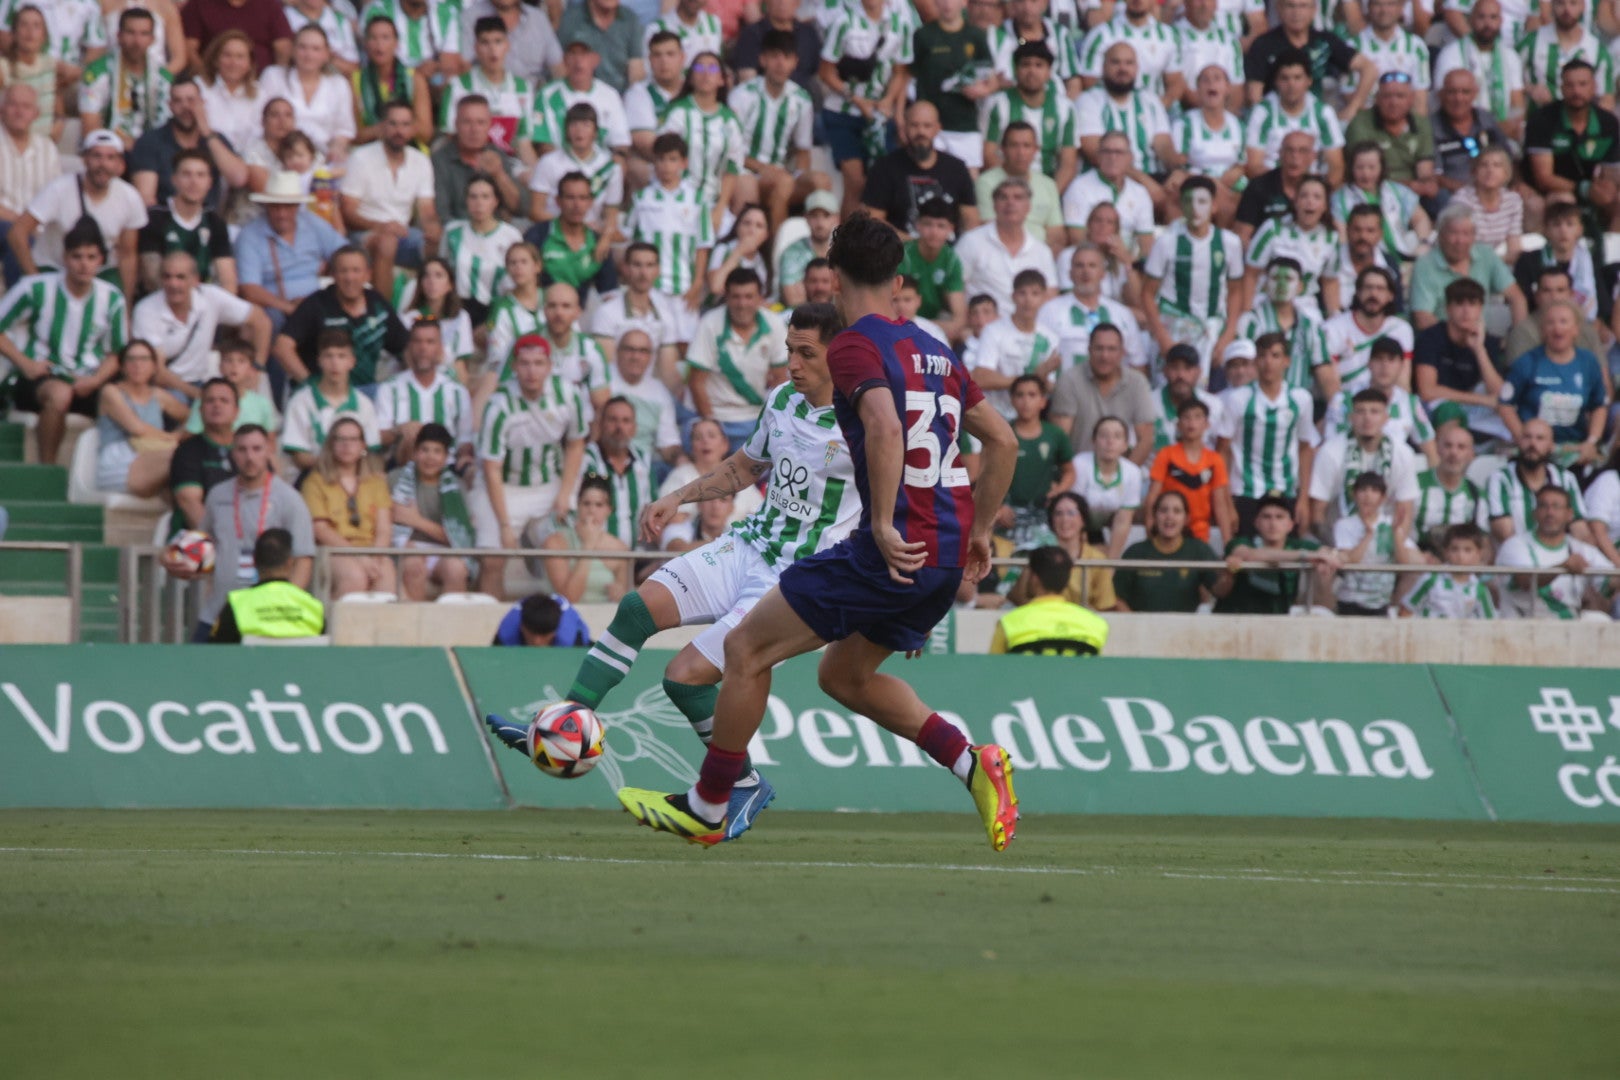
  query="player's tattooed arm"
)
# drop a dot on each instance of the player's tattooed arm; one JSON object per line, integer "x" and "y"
{"x": 732, "y": 475}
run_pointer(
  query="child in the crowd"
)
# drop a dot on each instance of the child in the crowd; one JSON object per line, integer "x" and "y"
{"x": 1045, "y": 466}
{"x": 1455, "y": 595}
{"x": 1368, "y": 536}
{"x": 298, "y": 155}
{"x": 430, "y": 511}
{"x": 1199, "y": 473}
{"x": 907, "y": 304}
{"x": 320, "y": 402}
{"x": 236, "y": 366}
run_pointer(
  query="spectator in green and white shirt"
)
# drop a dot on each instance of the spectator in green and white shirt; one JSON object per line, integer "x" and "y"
{"x": 581, "y": 153}
{"x": 1455, "y": 595}
{"x": 424, "y": 394}
{"x": 1036, "y": 99}
{"x": 714, "y": 139}
{"x": 615, "y": 457}
{"x": 1369, "y": 536}
{"x": 1550, "y": 545}
{"x": 1446, "y": 496}
{"x": 821, "y": 214}
{"x": 774, "y": 113}
{"x": 697, "y": 29}
{"x": 1510, "y": 495}
{"x": 126, "y": 89}
{"x": 1408, "y": 421}
{"x": 670, "y": 215}
{"x": 429, "y": 35}
{"x": 580, "y": 84}
{"x": 1270, "y": 437}
{"x": 739, "y": 353}
{"x": 1157, "y": 46}
{"x": 1292, "y": 107}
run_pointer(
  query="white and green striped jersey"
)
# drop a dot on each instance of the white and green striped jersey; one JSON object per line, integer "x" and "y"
{"x": 1217, "y": 44}
{"x": 1441, "y": 596}
{"x": 404, "y": 400}
{"x": 602, "y": 169}
{"x": 479, "y": 258}
{"x": 1395, "y": 201}
{"x": 1057, "y": 36}
{"x": 310, "y": 415}
{"x": 632, "y": 489}
{"x": 528, "y": 435}
{"x": 1439, "y": 506}
{"x": 1558, "y": 597}
{"x": 714, "y": 143}
{"x": 129, "y": 102}
{"x": 1405, "y": 53}
{"x": 509, "y": 320}
{"x": 1269, "y": 124}
{"x": 1307, "y": 341}
{"x": 1005, "y": 349}
{"x": 812, "y": 502}
{"x": 422, "y": 37}
{"x": 1544, "y": 57}
{"x": 1316, "y": 250}
{"x": 1365, "y": 588}
{"x": 337, "y": 22}
{"x": 552, "y": 102}
{"x": 1515, "y": 13}
{"x": 677, "y": 222}
{"x": 702, "y": 36}
{"x": 1165, "y": 415}
{"x": 1350, "y": 345}
{"x": 1141, "y": 117}
{"x": 1071, "y": 323}
{"x": 646, "y": 104}
{"x": 1265, "y": 435}
{"x": 71, "y": 26}
{"x": 1158, "y": 49}
{"x": 1053, "y": 120}
{"x": 1507, "y": 495}
{"x": 1408, "y": 419}
{"x": 73, "y": 334}
{"x": 580, "y": 360}
{"x": 511, "y": 103}
{"x": 886, "y": 40}
{"x": 1194, "y": 273}
{"x": 774, "y": 129}
{"x": 1234, "y": 15}
{"x": 1210, "y": 152}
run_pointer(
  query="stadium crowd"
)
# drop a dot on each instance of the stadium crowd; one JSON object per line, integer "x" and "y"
{"x": 1314, "y": 285}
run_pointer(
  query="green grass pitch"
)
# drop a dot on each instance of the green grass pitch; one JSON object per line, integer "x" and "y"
{"x": 401, "y": 945}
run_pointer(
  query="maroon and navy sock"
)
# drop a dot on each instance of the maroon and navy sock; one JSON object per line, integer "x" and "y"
{"x": 945, "y": 743}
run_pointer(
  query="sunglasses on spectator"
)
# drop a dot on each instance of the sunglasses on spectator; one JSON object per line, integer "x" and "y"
{"x": 705, "y": 69}
{"x": 1395, "y": 77}
{"x": 354, "y": 513}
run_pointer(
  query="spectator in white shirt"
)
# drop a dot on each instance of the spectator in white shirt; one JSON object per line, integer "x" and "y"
{"x": 100, "y": 193}
{"x": 996, "y": 252}
{"x": 181, "y": 318}
{"x": 656, "y": 432}
{"x": 28, "y": 161}
{"x": 387, "y": 183}
{"x": 321, "y": 99}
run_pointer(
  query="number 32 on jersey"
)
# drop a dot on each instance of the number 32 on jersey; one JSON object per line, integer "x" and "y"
{"x": 939, "y": 465}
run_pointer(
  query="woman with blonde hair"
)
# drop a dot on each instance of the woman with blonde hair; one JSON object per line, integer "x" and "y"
{"x": 350, "y": 506}
{"x": 321, "y": 99}
{"x": 230, "y": 91}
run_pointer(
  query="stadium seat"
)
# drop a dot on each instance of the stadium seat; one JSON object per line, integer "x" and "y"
{"x": 1484, "y": 467}
{"x": 82, "y": 481}
{"x": 466, "y": 598}
{"x": 318, "y": 639}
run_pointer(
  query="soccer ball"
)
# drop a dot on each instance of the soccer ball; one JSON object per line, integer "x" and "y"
{"x": 565, "y": 739}
{"x": 191, "y": 550}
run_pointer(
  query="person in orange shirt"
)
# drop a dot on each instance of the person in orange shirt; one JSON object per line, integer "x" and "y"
{"x": 1190, "y": 467}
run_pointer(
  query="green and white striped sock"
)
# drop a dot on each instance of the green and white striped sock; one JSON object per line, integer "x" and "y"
{"x": 611, "y": 657}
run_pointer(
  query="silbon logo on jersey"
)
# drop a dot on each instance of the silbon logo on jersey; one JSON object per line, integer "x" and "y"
{"x": 1140, "y": 735}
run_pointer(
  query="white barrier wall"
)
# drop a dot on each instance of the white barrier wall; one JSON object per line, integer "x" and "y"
{"x": 35, "y": 620}
{"x": 1213, "y": 637}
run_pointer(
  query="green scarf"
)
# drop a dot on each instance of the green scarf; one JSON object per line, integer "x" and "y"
{"x": 452, "y": 507}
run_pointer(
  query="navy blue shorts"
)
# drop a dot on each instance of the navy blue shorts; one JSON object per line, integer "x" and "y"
{"x": 847, "y": 590}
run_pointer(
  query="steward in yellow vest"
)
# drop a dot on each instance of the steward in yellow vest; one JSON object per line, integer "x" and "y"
{"x": 275, "y": 607}
{"x": 1049, "y": 625}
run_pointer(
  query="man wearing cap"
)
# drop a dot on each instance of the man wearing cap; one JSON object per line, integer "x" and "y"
{"x": 151, "y": 163}
{"x": 280, "y": 254}
{"x": 821, "y": 212}
{"x": 1401, "y": 132}
{"x": 103, "y": 194}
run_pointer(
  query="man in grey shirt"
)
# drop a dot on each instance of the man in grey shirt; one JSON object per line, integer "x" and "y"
{"x": 1104, "y": 386}
{"x": 234, "y": 514}
{"x": 534, "y": 53}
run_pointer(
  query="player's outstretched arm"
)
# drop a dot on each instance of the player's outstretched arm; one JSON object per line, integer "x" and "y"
{"x": 732, "y": 475}
{"x": 996, "y": 462}
{"x": 885, "y": 469}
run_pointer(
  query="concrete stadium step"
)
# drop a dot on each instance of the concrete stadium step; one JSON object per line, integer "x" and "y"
{"x": 38, "y": 483}
{"x": 12, "y": 441}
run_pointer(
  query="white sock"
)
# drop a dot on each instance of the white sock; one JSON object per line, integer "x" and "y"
{"x": 963, "y": 765}
{"x": 704, "y": 809}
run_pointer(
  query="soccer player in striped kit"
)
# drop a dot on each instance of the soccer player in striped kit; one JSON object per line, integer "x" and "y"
{"x": 901, "y": 399}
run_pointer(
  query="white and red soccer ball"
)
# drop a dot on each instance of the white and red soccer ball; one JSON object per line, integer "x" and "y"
{"x": 565, "y": 739}
{"x": 191, "y": 550}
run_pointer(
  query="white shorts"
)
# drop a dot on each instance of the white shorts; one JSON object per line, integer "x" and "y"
{"x": 967, "y": 145}
{"x": 717, "y": 583}
{"x": 523, "y": 505}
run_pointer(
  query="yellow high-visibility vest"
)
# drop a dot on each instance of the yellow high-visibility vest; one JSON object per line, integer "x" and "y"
{"x": 1052, "y": 626}
{"x": 276, "y": 609}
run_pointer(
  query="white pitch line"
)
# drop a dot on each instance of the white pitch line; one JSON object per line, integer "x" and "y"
{"x": 1395, "y": 879}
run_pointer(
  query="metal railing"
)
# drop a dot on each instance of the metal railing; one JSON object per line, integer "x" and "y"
{"x": 73, "y": 574}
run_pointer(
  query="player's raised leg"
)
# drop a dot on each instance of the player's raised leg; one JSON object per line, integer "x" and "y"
{"x": 849, "y": 674}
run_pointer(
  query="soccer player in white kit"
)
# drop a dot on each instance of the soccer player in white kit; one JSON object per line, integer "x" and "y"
{"x": 811, "y": 504}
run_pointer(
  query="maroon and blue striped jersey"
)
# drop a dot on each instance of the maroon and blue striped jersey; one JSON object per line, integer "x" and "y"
{"x": 931, "y": 389}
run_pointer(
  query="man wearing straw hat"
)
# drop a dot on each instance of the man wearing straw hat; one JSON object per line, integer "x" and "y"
{"x": 281, "y": 253}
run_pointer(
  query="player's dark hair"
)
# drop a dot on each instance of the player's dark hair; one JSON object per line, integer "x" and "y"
{"x": 1369, "y": 481}
{"x": 541, "y": 614}
{"x": 333, "y": 338}
{"x": 865, "y": 250}
{"x": 85, "y": 233}
{"x": 1033, "y": 380}
{"x": 741, "y": 278}
{"x": 236, "y": 395}
{"x": 435, "y": 433}
{"x": 272, "y": 550}
{"x": 822, "y": 318}
{"x": 778, "y": 41}
{"x": 1465, "y": 531}
{"x": 938, "y": 209}
{"x": 489, "y": 24}
{"x": 1468, "y": 291}
{"x": 1369, "y": 396}
{"x": 1278, "y": 501}
{"x": 669, "y": 142}
{"x": 1194, "y": 405}
{"x": 1051, "y": 566}
{"x": 1388, "y": 347}
{"x": 1026, "y": 278}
